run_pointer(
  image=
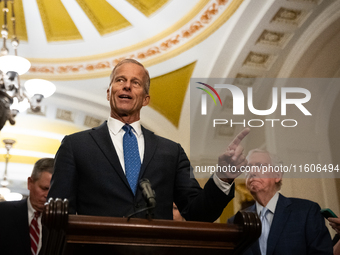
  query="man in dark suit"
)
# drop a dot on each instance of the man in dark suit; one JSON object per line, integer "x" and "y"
{"x": 91, "y": 166}
{"x": 16, "y": 216}
{"x": 291, "y": 225}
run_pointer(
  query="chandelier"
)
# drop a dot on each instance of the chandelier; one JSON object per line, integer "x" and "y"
{"x": 15, "y": 98}
{"x": 5, "y": 193}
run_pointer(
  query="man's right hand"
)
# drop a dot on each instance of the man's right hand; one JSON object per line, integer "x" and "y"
{"x": 233, "y": 158}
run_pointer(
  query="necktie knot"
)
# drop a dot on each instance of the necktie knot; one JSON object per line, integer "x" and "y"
{"x": 36, "y": 214}
{"x": 127, "y": 128}
{"x": 264, "y": 213}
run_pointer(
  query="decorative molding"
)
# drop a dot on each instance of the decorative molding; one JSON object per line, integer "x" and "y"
{"x": 21, "y": 31}
{"x": 316, "y": 2}
{"x": 42, "y": 111}
{"x": 20, "y": 21}
{"x": 225, "y": 11}
{"x": 327, "y": 17}
{"x": 225, "y": 130}
{"x": 259, "y": 60}
{"x": 273, "y": 38}
{"x": 92, "y": 122}
{"x": 124, "y": 51}
{"x": 245, "y": 79}
{"x": 103, "y": 16}
{"x": 290, "y": 16}
{"x": 54, "y": 29}
{"x": 187, "y": 36}
{"x": 65, "y": 115}
{"x": 147, "y": 9}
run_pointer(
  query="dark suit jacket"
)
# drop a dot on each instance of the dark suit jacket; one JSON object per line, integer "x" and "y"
{"x": 297, "y": 228}
{"x": 88, "y": 173}
{"x": 14, "y": 229}
{"x": 335, "y": 239}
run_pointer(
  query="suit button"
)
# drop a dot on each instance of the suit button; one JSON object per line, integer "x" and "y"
{"x": 137, "y": 205}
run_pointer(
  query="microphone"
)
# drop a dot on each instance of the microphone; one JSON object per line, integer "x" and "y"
{"x": 148, "y": 192}
{"x": 149, "y": 197}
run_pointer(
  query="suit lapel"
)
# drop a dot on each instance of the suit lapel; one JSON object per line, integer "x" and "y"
{"x": 102, "y": 137}
{"x": 22, "y": 220}
{"x": 281, "y": 215}
{"x": 150, "y": 142}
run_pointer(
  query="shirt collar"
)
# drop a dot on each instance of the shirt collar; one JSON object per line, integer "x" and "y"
{"x": 31, "y": 211}
{"x": 271, "y": 204}
{"x": 115, "y": 126}
{"x": 30, "y": 207}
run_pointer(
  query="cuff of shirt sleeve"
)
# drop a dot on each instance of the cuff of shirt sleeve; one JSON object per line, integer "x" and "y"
{"x": 223, "y": 186}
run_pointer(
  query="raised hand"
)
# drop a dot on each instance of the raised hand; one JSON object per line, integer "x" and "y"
{"x": 233, "y": 158}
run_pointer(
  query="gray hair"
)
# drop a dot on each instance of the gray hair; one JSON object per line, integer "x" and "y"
{"x": 42, "y": 165}
{"x": 274, "y": 160}
{"x": 130, "y": 60}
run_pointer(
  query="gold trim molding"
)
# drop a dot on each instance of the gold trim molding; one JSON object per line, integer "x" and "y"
{"x": 54, "y": 29}
{"x": 147, "y": 7}
{"x": 103, "y": 16}
{"x": 191, "y": 33}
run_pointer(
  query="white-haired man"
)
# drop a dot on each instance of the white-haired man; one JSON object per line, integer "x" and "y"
{"x": 289, "y": 225}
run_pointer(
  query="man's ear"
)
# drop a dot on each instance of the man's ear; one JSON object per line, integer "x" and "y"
{"x": 29, "y": 183}
{"x": 108, "y": 93}
{"x": 146, "y": 100}
{"x": 278, "y": 177}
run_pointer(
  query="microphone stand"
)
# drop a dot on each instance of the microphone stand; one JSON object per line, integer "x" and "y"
{"x": 148, "y": 214}
{"x": 149, "y": 197}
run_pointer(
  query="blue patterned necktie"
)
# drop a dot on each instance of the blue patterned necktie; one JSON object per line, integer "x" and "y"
{"x": 131, "y": 157}
{"x": 265, "y": 230}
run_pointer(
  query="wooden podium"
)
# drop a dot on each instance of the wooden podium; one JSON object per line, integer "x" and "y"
{"x": 79, "y": 234}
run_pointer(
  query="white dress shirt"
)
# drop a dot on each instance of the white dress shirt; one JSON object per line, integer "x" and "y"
{"x": 117, "y": 133}
{"x": 271, "y": 206}
{"x": 30, "y": 218}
